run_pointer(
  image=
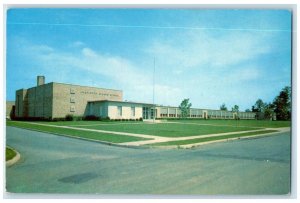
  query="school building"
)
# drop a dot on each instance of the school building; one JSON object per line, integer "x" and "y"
{"x": 56, "y": 100}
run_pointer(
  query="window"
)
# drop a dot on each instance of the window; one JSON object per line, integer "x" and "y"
{"x": 91, "y": 109}
{"x": 119, "y": 110}
{"x": 72, "y": 100}
{"x": 72, "y": 109}
{"x": 100, "y": 110}
{"x": 72, "y": 91}
{"x": 132, "y": 111}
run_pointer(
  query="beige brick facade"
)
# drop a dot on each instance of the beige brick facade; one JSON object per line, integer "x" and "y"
{"x": 21, "y": 103}
{"x": 73, "y": 99}
{"x": 10, "y": 108}
{"x": 56, "y": 100}
{"x": 40, "y": 101}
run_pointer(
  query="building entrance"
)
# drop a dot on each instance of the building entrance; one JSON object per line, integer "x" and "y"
{"x": 148, "y": 113}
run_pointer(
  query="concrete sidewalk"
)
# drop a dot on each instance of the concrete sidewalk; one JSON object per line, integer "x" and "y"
{"x": 169, "y": 139}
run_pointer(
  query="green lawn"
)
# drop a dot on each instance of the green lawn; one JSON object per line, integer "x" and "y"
{"x": 249, "y": 123}
{"x": 182, "y": 129}
{"x": 199, "y": 140}
{"x": 75, "y": 123}
{"x": 169, "y": 129}
{"x": 77, "y": 133}
{"x": 9, "y": 154}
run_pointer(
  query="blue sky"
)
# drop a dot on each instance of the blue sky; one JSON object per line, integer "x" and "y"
{"x": 209, "y": 56}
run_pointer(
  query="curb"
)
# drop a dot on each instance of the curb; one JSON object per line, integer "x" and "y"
{"x": 81, "y": 138}
{"x": 190, "y": 146}
{"x": 13, "y": 160}
{"x": 195, "y": 145}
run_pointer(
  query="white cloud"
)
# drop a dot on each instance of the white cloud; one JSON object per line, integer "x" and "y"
{"x": 211, "y": 68}
{"x": 246, "y": 74}
{"x": 78, "y": 44}
{"x": 63, "y": 66}
{"x": 199, "y": 49}
{"x": 43, "y": 49}
{"x": 88, "y": 53}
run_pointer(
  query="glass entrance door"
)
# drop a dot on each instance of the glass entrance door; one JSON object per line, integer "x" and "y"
{"x": 148, "y": 113}
{"x": 145, "y": 113}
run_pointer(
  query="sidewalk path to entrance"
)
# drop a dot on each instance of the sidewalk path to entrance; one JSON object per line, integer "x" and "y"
{"x": 100, "y": 131}
{"x": 213, "y": 124}
{"x": 168, "y": 139}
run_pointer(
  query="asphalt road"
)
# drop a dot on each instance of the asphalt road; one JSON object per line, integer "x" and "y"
{"x": 55, "y": 164}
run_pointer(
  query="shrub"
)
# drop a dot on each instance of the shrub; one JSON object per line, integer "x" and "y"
{"x": 141, "y": 119}
{"x": 58, "y": 119}
{"x": 78, "y": 118}
{"x": 32, "y": 119}
{"x": 69, "y": 117}
{"x": 104, "y": 119}
{"x": 92, "y": 118}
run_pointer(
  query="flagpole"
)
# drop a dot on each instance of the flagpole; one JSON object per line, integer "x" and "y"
{"x": 153, "y": 89}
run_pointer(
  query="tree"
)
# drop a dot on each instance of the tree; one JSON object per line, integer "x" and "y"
{"x": 235, "y": 109}
{"x": 282, "y": 104}
{"x": 223, "y": 107}
{"x": 268, "y": 111}
{"x": 258, "y": 106}
{"x": 185, "y": 107}
{"x": 247, "y": 110}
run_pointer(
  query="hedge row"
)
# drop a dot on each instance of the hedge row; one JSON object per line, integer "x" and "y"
{"x": 70, "y": 117}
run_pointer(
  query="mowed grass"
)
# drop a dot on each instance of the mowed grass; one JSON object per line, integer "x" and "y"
{"x": 232, "y": 123}
{"x": 207, "y": 139}
{"x": 9, "y": 154}
{"x": 248, "y": 123}
{"x": 182, "y": 128}
{"x": 75, "y": 133}
{"x": 168, "y": 129}
{"x": 88, "y": 123}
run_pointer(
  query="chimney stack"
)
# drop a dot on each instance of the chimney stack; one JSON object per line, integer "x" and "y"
{"x": 40, "y": 80}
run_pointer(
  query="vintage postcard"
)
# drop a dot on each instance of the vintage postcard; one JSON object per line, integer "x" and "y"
{"x": 140, "y": 101}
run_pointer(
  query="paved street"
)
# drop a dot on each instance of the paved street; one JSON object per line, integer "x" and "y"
{"x": 56, "y": 164}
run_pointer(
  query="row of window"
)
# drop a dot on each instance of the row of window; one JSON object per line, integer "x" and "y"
{"x": 178, "y": 115}
{"x": 170, "y": 115}
{"x": 72, "y": 100}
{"x": 196, "y": 116}
{"x": 198, "y": 113}
{"x": 132, "y": 111}
{"x": 223, "y": 116}
{"x": 200, "y": 116}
